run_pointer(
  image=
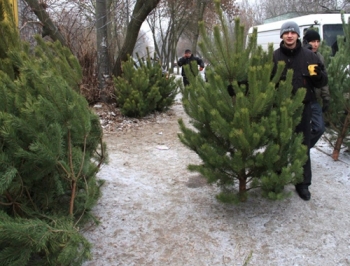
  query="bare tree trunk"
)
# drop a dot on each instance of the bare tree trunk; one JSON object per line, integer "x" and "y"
{"x": 201, "y": 5}
{"x": 165, "y": 39}
{"x": 49, "y": 27}
{"x": 140, "y": 13}
{"x": 102, "y": 45}
{"x": 243, "y": 188}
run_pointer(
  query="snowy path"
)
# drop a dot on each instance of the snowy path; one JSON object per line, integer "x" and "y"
{"x": 154, "y": 212}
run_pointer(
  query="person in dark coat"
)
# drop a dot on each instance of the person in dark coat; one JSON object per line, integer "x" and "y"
{"x": 298, "y": 59}
{"x": 312, "y": 40}
{"x": 186, "y": 60}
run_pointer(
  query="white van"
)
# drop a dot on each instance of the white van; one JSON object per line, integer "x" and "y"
{"x": 329, "y": 27}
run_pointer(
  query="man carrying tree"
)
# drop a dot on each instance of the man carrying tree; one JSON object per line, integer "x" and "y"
{"x": 186, "y": 60}
{"x": 300, "y": 60}
{"x": 311, "y": 40}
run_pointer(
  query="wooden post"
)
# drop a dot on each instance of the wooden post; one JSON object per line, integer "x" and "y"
{"x": 14, "y": 6}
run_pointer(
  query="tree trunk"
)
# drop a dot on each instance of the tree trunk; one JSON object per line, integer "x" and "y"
{"x": 102, "y": 45}
{"x": 140, "y": 13}
{"x": 201, "y": 5}
{"x": 49, "y": 27}
{"x": 243, "y": 188}
{"x": 340, "y": 138}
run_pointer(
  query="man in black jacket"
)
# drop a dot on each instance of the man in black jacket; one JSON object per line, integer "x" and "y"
{"x": 186, "y": 60}
{"x": 298, "y": 59}
{"x": 311, "y": 41}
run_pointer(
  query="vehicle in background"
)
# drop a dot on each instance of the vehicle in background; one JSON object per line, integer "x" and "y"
{"x": 329, "y": 26}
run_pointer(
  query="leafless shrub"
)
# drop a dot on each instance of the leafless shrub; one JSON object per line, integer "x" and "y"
{"x": 75, "y": 20}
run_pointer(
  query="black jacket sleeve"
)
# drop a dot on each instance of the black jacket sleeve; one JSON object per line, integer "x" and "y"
{"x": 321, "y": 79}
{"x": 181, "y": 61}
{"x": 200, "y": 62}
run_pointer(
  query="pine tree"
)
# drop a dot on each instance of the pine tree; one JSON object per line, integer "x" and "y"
{"x": 247, "y": 141}
{"x": 143, "y": 88}
{"x": 50, "y": 151}
{"x": 338, "y": 115}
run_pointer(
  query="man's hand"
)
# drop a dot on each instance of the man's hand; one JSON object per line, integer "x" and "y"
{"x": 318, "y": 72}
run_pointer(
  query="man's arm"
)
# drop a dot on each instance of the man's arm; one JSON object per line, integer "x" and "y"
{"x": 325, "y": 95}
{"x": 181, "y": 61}
{"x": 200, "y": 62}
{"x": 321, "y": 79}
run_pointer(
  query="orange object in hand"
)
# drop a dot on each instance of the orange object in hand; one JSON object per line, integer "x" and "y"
{"x": 312, "y": 69}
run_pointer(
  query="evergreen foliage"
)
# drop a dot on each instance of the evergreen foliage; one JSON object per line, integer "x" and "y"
{"x": 41, "y": 242}
{"x": 143, "y": 88}
{"x": 50, "y": 151}
{"x": 338, "y": 114}
{"x": 247, "y": 141}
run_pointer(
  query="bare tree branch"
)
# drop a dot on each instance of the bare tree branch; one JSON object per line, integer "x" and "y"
{"x": 49, "y": 27}
{"x": 139, "y": 15}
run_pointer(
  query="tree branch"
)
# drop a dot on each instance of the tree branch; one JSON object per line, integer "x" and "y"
{"x": 48, "y": 25}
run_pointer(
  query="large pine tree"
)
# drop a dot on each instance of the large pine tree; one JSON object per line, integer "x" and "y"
{"x": 246, "y": 141}
{"x": 50, "y": 151}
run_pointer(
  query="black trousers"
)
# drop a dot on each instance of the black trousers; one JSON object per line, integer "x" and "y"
{"x": 317, "y": 123}
{"x": 305, "y": 128}
{"x": 185, "y": 81}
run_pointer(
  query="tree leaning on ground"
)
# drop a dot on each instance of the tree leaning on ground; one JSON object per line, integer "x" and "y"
{"x": 338, "y": 115}
{"x": 50, "y": 151}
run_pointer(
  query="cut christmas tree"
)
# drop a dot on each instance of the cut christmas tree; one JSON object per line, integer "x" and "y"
{"x": 50, "y": 151}
{"x": 338, "y": 115}
{"x": 246, "y": 141}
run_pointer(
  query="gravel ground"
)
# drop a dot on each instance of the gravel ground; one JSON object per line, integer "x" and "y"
{"x": 155, "y": 212}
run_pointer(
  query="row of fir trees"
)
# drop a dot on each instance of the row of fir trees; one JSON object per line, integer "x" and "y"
{"x": 50, "y": 151}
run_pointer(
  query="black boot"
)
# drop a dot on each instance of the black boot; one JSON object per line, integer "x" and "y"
{"x": 303, "y": 192}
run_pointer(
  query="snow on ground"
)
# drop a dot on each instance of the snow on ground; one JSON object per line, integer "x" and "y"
{"x": 155, "y": 212}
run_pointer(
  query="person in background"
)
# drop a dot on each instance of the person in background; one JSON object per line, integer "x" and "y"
{"x": 298, "y": 59}
{"x": 186, "y": 60}
{"x": 312, "y": 40}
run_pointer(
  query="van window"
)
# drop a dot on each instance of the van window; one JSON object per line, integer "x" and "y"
{"x": 330, "y": 33}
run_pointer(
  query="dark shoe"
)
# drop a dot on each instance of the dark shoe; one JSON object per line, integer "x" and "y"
{"x": 303, "y": 192}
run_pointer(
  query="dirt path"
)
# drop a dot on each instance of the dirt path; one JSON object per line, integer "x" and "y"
{"x": 155, "y": 212}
